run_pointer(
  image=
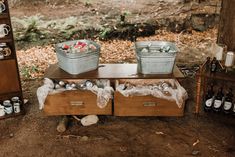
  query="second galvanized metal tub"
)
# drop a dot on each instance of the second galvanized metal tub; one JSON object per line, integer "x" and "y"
{"x": 155, "y": 57}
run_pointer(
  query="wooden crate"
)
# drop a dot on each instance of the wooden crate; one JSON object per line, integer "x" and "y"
{"x": 75, "y": 103}
{"x": 145, "y": 106}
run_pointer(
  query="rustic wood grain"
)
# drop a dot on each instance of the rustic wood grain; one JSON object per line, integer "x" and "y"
{"x": 134, "y": 106}
{"x": 9, "y": 81}
{"x": 75, "y": 103}
{"x": 110, "y": 71}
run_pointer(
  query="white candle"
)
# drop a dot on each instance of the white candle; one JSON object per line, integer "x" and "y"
{"x": 1, "y": 56}
{"x": 219, "y": 53}
{"x": 229, "y": 59}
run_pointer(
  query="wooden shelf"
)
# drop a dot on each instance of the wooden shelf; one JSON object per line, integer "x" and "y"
{"x": 9, "y": 95}
{"x": 8, "y": 58}
{"x": 230, "y": 76}
{"x": 110, "y": 71}
{"x": 13, "y": 115}
{"x": 202, "y": 77}
{"x": 3, "y": 15}
{"x": 10, "y": 84}
{"x": 5, "y": 39}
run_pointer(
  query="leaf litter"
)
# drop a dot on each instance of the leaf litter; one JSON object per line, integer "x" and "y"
{"x": 194, "y": 48}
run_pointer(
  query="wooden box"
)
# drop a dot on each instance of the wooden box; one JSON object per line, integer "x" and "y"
{"x": 145, "y": 106}
{"x": 75, "y": 103}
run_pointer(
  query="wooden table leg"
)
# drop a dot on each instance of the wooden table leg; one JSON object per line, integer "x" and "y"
{"x": 198, "y": 93}
{"x": 63, "y": 124}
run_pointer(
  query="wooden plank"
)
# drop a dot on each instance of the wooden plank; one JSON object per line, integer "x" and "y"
{"x": 145, "y": 106}
{"x": 110, "y": 71}
{"x": 12, "y": 115}
{"x": 220, "y": 76}
{"x": 75, "y": 103}
{"x": 8, "y": 96}
{"x": 9, "y": 77}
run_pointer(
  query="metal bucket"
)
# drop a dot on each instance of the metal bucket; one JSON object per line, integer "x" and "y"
{"x": 155, "y": 57}
{"x": 76, "y": 63}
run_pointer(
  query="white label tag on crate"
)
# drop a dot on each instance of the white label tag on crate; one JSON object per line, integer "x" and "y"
{"x": 76, "y": 103}
{"x": 150, "y": 104}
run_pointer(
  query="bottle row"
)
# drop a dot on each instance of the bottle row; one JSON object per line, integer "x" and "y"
{"x": 219, "y": 101}
{"x": 8, "y": 107}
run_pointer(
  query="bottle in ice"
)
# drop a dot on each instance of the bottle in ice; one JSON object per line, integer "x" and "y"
{"x": 209, "y": 98}
{"x": 218, "y": 100}
{"x": 228, "y": 102}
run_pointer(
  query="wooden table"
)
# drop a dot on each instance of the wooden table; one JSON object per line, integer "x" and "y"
{"x": 60, "y": 104}
{"x": 113, "y": 72}
{"x": 110, "y": 71}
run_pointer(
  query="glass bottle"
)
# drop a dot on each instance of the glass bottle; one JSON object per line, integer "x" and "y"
{"x": 208, "y": 63}
{"x": 209, "y": 98}
{"x": 233, "y": 109}
{"x": 228, "y": 102}
{"x": 218, "y": 100}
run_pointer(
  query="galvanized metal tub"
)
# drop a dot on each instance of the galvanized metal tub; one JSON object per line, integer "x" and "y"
{"x": 155, "y": 57}
{"x": 78, "y": 62}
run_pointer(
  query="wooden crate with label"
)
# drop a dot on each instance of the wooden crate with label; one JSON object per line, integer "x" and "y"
{"x": 84, "y": 102}
{"x": 139, "y": 104}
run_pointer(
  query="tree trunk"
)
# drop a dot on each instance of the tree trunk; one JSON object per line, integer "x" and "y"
{"x": 226, "y": 33}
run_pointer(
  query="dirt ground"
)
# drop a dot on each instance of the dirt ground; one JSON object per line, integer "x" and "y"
{"x": 33, "y": 134}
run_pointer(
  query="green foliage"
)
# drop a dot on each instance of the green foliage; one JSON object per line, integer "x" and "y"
{"x": 87, "y": 3}
{"x": 26, "y": 71}
{"x": 104, "y": 32}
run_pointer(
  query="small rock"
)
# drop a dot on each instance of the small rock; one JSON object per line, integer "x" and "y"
{"x": 159, "y": 133}
{"x": 84, "y": 138}
{"x": 123, "y": 149}
{"x": 195, "y": 152}
{"x": 11, "y": 135}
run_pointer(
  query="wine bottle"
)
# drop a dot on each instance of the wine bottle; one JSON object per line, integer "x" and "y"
{"x": 228, "y": 102}
{"x": 209, "y": 98}
{"x": 208, "y": 63}
{"x": 214, "y": 65}
{"x": 218, "y": 100}
{"x": 233, "y": 110}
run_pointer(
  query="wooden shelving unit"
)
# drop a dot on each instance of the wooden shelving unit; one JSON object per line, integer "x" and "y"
{"x": 202, "y": 77}
{"x": 10, "y": 85}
